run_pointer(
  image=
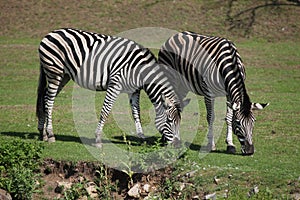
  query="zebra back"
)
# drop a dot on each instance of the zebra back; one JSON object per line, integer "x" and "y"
{"x": 204, "y": 61}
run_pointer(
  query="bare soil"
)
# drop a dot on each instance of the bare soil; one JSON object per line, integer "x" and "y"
{"x": 53, "y": 172}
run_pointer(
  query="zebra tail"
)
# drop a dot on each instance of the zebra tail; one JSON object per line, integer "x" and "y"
{"x": 41, "y": 92}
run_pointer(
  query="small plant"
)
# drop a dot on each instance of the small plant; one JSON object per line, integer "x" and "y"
{"x": 77, "y": 190}
{"x": 104, "y": 185}
{"x": 19, "y": 160}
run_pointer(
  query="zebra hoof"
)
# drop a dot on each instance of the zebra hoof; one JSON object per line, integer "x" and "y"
{"x": 44, "y": 138}
{"x": 51, "y": 139}
{"x": 97, "y": 145}
{"x": 141, "y": 135}
{"x": 230, "y": 150}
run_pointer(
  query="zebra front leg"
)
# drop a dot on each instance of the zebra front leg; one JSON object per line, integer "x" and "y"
{"x": 210, "y": 117}
{"x": 230, "y": 146}
{"x": 111, "y": 95}
{"x": 134, "y": 99}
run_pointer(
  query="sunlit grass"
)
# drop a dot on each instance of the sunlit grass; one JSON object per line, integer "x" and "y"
{"x": 272, "y": 76}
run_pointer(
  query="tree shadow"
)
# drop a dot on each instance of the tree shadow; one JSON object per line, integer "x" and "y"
{"x": 245, "y": 19}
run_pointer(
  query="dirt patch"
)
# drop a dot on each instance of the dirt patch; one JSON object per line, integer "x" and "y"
{"x": 54, "y": 173}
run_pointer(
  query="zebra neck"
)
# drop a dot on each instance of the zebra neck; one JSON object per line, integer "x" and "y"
{"x": 240, "y": 97}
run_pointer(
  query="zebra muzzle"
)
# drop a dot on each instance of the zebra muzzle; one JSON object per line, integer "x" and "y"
{"x": 247, "y": 149}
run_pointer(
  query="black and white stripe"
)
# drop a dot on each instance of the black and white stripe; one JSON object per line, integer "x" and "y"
{"x": 104, "y": 63}
{"x": 212, "y": 67}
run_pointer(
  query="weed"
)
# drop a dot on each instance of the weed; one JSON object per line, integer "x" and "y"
{"x": 19, "y": 160}
{"x": 77, "y": 190}
{"x": 104, "y": 185}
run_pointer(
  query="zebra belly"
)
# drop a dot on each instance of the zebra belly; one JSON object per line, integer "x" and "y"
{"x": 89, "y": 78}
{"x": 210, "y": 84}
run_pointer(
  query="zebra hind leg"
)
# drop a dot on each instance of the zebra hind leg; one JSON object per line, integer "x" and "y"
{"x": 135, "y": 108}
{"x": 54, "y": 87}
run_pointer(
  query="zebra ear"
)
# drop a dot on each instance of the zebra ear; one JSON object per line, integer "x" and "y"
{"x": 258, "y": 106}
{"x": 236, "y": 106}
{"x": 166, "y": 101}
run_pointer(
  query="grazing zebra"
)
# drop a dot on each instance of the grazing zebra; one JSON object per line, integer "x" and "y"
{"x": 212, "y": 67}
{"x": 105, "y": 63}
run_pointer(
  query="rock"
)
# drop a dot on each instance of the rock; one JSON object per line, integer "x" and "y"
{"x": 253, "y": 191}
{"x": 4, "y": 195}
{"x": 216, "y": 180}
{"x": 134, "y": 191}
{"x": 191, "y": 173}
{"x": 181, "y": 186}
{"x": 146, "y": 188}
{"x": 296, "y": 196}
{"x": 212, "y": 196}
{"x": 83, "y": 198}
{"x": 92, "y": 190}
{"x": 62, "y": 186}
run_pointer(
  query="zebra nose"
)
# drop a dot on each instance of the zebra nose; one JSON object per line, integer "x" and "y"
{"x": 248, "y": 150}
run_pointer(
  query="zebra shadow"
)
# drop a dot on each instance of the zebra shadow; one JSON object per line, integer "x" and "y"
{"x": 136, "y": 141}
{"x": 59, "y": 137}
{"x": 133, "y": 140}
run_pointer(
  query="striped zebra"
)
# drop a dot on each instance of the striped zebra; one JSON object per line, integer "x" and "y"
{"x": 213, "y": 67}
{"x": 105, "y": 63}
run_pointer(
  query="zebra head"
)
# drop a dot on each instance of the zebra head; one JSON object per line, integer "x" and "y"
{"x": 243, "y": 123}
{"x": 168, "y": 121}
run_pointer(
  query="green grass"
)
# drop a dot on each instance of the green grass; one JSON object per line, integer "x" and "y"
{"x": 273, "y": 74}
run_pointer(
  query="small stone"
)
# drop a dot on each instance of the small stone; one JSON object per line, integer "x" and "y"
{"x": 253, "y": 191}
{"x": 216, "y": 180}
{"x": 4, "y": 195}
{"x": 230, "y": 176}
{"x": 134, "y": 191}
{"x": 191, "y": 173}
{"x": 146, "y": 188}
{"x": 181, "y": 186}
{"x": 212, "y": 196}
{"x": 92, "y": 190}
{"x": 61, "y": 176}
{"x": 196, "y": 197}
{"x": 62, "y": 186}
{"x": 81, "y": 179}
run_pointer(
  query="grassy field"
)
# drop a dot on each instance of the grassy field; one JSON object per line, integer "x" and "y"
{"x": 273, "y": 75}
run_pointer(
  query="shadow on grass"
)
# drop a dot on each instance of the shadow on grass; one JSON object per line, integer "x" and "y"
{"x": 36, "y": 136}
{"x": 134, "y": 140}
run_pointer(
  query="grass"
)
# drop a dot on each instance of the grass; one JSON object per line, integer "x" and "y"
{"x": 271, "y": 55}
{"x": 276, "y": 160}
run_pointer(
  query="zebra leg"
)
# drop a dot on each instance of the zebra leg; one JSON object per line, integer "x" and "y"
{"x": 210, "y": 117}
{"x": 230, "y": 146}
{"x": 112, "y": 93}
{"x": 64, "y": 81}
{"x": 41, "y": 114}
{"x": 52, "y": 91}
{"x": 134, "y": 99}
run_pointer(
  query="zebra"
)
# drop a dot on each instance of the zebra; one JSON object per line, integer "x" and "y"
{"x": 213, "y": 67}
{"x": 105, "y": 63}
